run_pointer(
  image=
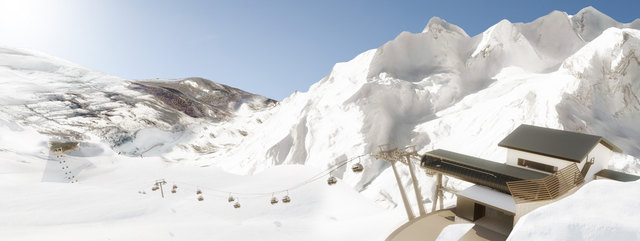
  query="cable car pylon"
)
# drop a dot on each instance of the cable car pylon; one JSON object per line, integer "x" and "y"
{"x": 404, "y": 155}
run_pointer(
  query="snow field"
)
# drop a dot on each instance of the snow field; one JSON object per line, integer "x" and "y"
{"x": 105, "y": 203}
{"x": 600, "y": 210}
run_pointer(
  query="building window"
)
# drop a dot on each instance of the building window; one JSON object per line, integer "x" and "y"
{"x": 537, "y": 165}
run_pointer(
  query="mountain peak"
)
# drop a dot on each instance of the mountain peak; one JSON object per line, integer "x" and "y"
{"x": 590, "y": 10}
{"x": 437, "y": 24}
{"x": 589, "y": 23}
{"x": 553, "y": 36}
{"x": 635, "y": 24}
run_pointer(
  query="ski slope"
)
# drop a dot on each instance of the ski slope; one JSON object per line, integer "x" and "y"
{"x": 105, "y": 204}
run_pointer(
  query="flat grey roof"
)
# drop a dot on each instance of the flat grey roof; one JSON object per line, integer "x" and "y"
{"x": 566, "y": 145}
{"x": 616, "y": 175}
{"x": 486, "y": 165}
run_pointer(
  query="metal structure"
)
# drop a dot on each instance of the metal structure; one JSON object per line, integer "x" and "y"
{"x": 332, "y": 180}
{"x": 546, "y": 188}
{"x": 438, "y": 194}
{"x": 158, "y": 185}
{"x": 274, "y": 200}
{"x": 357, "y": 167}
{"x": 404, "y": 155}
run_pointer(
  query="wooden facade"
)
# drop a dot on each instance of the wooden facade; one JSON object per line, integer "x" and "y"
{"x": 546, "y": 188}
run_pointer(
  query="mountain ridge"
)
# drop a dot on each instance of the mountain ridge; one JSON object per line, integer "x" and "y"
{"x": 70, "y": 102}
{"x": 429, "y": 89}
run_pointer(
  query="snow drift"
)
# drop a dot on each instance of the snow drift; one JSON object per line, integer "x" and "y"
{"x": 598, "y": 211}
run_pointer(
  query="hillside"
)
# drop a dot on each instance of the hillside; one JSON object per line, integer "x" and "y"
{"x": 71, "y": 103}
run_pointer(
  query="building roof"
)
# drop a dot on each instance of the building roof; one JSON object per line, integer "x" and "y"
{"x": 616, "y": 175}
{"x": 477, "y": 170}
{"x": 566, "y": 145}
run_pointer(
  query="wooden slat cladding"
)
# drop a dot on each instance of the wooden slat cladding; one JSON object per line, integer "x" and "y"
{"x": 546, "y": 188}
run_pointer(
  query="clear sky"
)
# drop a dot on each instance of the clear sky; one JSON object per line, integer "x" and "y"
{"x": 272, "y": 48}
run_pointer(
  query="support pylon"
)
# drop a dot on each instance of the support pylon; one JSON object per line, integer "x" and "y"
{"x": 415, "y": 187}
{"x": 407, "y": 207}
{"x": 159, "y": 184}
{"x": 437, "y": 194}
{"x": 404, "y": 155}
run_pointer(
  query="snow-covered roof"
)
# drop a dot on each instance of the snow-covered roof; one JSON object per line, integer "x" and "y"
{"x": 616, "y": 175}
{"x": 566, "y": 145}
{"x": 490, "y": 197}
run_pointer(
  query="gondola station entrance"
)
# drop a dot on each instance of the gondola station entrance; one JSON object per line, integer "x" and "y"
{"x": 485, "y": 207}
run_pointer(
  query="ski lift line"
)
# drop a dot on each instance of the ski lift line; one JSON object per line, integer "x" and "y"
{"x": 336, "y": 166}
{"x": 314, "y": 178}
{"x": 324, "y": 173}
{"x": 270, "y": 193}
{"x": 222, "y": 193}
{"x": 225, "y": 193}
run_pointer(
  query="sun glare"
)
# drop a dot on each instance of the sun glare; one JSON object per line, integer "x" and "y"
{"x": 25, "y": 17}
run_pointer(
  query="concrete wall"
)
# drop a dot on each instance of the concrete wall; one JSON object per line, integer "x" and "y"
{"x": 601, "y": 155}
{"x": 465, "y": 208}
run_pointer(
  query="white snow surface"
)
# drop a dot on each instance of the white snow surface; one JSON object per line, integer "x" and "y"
{"x": 105, "y": 203}
{"x": 601, "y": 210}
{"x": 436, "y": 89}
{"x": 454, "y": 232}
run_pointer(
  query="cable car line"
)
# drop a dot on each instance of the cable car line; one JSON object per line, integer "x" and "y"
{"x": 234, "y": 196}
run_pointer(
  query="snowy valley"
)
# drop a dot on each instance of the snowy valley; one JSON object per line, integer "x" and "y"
{"x": 440, "y": 88}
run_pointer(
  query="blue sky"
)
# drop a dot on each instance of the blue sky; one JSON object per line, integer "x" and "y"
{"x": 272, "y": 48}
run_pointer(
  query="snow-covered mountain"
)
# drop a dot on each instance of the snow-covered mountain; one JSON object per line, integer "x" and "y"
{"x": 440, "y": 88}
{"x": 444, "y": 89}
{"x": 70, "y": 102}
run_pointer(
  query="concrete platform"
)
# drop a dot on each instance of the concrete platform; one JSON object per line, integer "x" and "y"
{"x": 430, "y": 226}
{"x": 423, "y": 228}
{"x": 479, "y": 233}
